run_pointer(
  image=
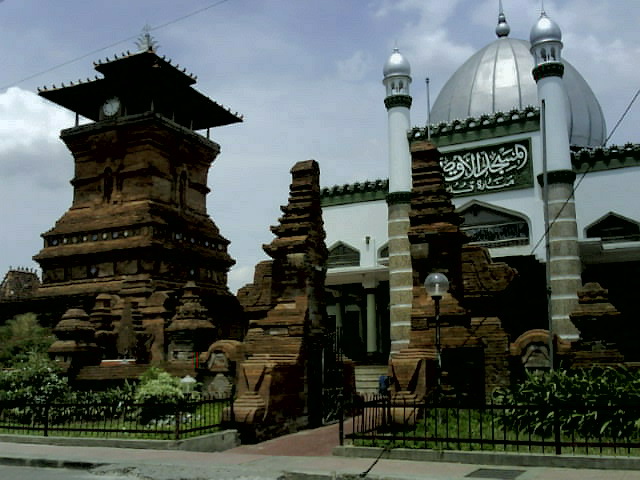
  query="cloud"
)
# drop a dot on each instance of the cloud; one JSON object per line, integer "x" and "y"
{"x": 26, "y": 118}
{"x": 239, "y": 277}
{"x": 35, "y": 168}
{"x": 433, "y": 11}
{"x": 355, "y": 68}
{"x": 30, "y": 149}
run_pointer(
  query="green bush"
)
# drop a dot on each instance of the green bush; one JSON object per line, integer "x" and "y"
{"x": 35, "y": 380}
{"x": 159, "y": 395}
{"x": 600, "y": 402}
{"x": 29, "y": 386}
{"x": 22, "y": 336}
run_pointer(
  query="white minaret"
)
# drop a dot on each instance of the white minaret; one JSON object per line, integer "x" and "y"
{"x": 397, "y": 79}
{"x": 564, "y": 266}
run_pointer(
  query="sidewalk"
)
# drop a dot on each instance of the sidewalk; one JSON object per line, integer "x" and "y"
{"x": 300, "y": 456}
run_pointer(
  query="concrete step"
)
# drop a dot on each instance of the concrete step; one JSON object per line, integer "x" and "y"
{"x": 367, "y": 377}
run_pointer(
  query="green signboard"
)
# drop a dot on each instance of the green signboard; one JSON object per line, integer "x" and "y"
{"x": 490, "y": 168}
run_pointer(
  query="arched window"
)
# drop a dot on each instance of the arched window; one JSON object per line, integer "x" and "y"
{"x": 491, "y": 227}
{"x": 343, "y": 255}
{"x": 614, "y": 228}
{"x": 107, "y": 184}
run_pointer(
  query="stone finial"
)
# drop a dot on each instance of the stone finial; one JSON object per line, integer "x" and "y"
{"x": 75, "y": 335}
{"x": 594, "y": 315}
{"x": 191, "y": 329}
{"x": 191, "y": 314}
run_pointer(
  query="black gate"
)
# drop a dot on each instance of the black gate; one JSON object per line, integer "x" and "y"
{"x": 333, "y": 377}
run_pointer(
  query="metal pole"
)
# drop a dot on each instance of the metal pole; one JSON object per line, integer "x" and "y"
{"x": 428, "y": 110}
{"x": 436, "y": 299}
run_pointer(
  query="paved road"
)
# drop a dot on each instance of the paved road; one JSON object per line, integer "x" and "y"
{"x": 33, "y": 473}
{"x": 304, "y": 456}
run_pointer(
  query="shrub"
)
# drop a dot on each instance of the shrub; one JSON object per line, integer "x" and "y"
{"x": 30, "y": 385}
{"x": 159, "y": 395}
{"x": 596, "y": 402}
{"x": 36, "y": 380}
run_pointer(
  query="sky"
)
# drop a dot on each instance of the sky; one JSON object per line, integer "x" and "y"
{"x": 305, "y": 74}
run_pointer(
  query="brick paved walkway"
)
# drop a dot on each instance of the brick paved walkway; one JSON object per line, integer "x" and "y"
{"x": 318, "y": 442}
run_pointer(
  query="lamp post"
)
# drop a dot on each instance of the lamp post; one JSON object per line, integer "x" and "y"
{"x": 436, "y": 285}
{"x": 187, "y": 384}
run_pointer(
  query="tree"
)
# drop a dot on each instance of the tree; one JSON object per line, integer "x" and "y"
{"x": 22, "y": 336}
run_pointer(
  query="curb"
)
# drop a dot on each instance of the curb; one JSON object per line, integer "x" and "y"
{"x": 48, "y": 463}
{"x": 492, "y": 458}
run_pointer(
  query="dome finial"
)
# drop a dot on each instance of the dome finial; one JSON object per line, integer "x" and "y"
{"x": 503, "y": 28}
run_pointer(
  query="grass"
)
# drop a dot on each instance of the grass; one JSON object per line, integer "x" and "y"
{"x": 468, "y": 429}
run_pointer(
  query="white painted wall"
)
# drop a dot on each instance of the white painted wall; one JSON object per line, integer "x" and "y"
{"x": 353, "y": 223}
{"x": 599, "y": 193}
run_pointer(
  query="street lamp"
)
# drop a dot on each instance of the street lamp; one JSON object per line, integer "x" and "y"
{"x": 187, "y": 384}
{"x": 436, "y": 285}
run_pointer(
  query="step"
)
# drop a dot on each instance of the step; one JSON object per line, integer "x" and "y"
{"x": 367, "y": 377}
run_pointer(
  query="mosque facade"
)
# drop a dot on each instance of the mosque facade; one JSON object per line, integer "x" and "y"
{"x": 501, "y": 133}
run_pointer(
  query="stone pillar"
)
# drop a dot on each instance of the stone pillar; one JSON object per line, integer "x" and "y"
{"x": 564, "y": 256}
{"x": 400, "y": 272}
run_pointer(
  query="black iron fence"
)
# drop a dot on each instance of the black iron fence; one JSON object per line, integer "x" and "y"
{"x": 552, "y": 428}
{"x": 116, "y": 420}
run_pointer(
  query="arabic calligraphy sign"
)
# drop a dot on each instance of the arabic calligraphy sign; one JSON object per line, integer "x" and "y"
{"x": 489, "y": 168}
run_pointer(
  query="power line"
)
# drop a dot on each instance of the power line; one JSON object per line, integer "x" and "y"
{"x": 624, "y": 114}
{"x": 128, "y": 39}
{"x": 188, "y": 15}
{"x": 583, "y": 175}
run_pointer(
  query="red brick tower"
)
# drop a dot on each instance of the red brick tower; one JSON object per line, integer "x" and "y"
{"x": 140, "y": 184}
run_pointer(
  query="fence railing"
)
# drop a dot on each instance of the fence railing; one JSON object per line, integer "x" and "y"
{"x": 116, "y": 420}
{"x": 547, "y": 429}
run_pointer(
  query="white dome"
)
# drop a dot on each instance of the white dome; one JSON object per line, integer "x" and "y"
{"x": 397, "y": 64}
{"x": 545, "y": 30}
{"x": 498, "y": 79}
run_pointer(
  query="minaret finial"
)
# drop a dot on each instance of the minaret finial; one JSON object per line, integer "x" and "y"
{"x": 146, "y": 42}
{"x": 542, "y": 12}
{"x": 503, "y": 28}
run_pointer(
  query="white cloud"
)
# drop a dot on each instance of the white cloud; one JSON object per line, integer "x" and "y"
{"x": 355, "y": 68}
{"x": 239, "y": 277}
{"x": 26, "y": 118}
{"x": 35, "y": 168}
{"x": 432, "y": 11}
